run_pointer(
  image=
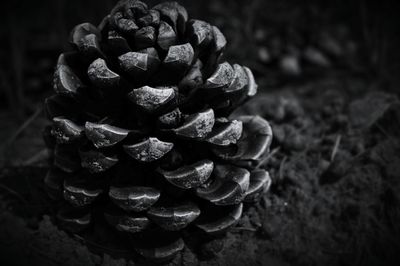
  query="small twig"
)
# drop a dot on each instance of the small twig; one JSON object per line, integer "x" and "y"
{"x": 281, "y": 167}
{"x": 13, "y": 192}
{"x": 336, "y": 147}
{"x": 103, "y": 119}
{"x": 272, "y": 153}
{"x": 41, "y": 155}
{"x": 380, "y": 128}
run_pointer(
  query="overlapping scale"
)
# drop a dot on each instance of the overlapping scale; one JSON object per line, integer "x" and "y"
{"x": 228, "y": 187}
{"x": 66, "y": 82}
{"x": 200, "y": 32}
{"x": 255, "y": 141}
{"x": 102, "y": 76}
{"x": 221, "y": 78}
{"x": 226, "y": 134}
{"x": 148, "y": 150}
{"x": 179, "y": 58}
{"x": 86, "y": 38}
{"x": 217, "y": 219}
{"x": 197, "y": 125}
{"x": 260, "y": 181}
{"x": 79, "y": 192}
{"x": 189, "y": 176}
{"x": 66, "y": 131}
{"x": 138, "y": 64}
{"x": 166, "y": 36}
{"x": 152, "y": 99}
{"x": 126, "y": 222}
{"x": 104, "y": 135}
{"x": 134, "y": 198}
{"x": 174, "y": 218}
{"x": 74, "y": 219}
{"x": 174, "y": 14}
{"x": 96, "y": 161}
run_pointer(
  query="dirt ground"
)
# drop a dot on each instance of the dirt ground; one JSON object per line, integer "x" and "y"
{"x": 334, "y": 161}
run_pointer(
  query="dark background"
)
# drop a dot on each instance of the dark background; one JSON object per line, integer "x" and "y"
{"x": 320, "y": 57}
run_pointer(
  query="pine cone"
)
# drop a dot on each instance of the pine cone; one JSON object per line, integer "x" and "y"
{"x": 140, "y": 134}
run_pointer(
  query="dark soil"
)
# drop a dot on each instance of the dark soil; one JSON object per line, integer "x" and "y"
{"x": 335, "y": 158}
